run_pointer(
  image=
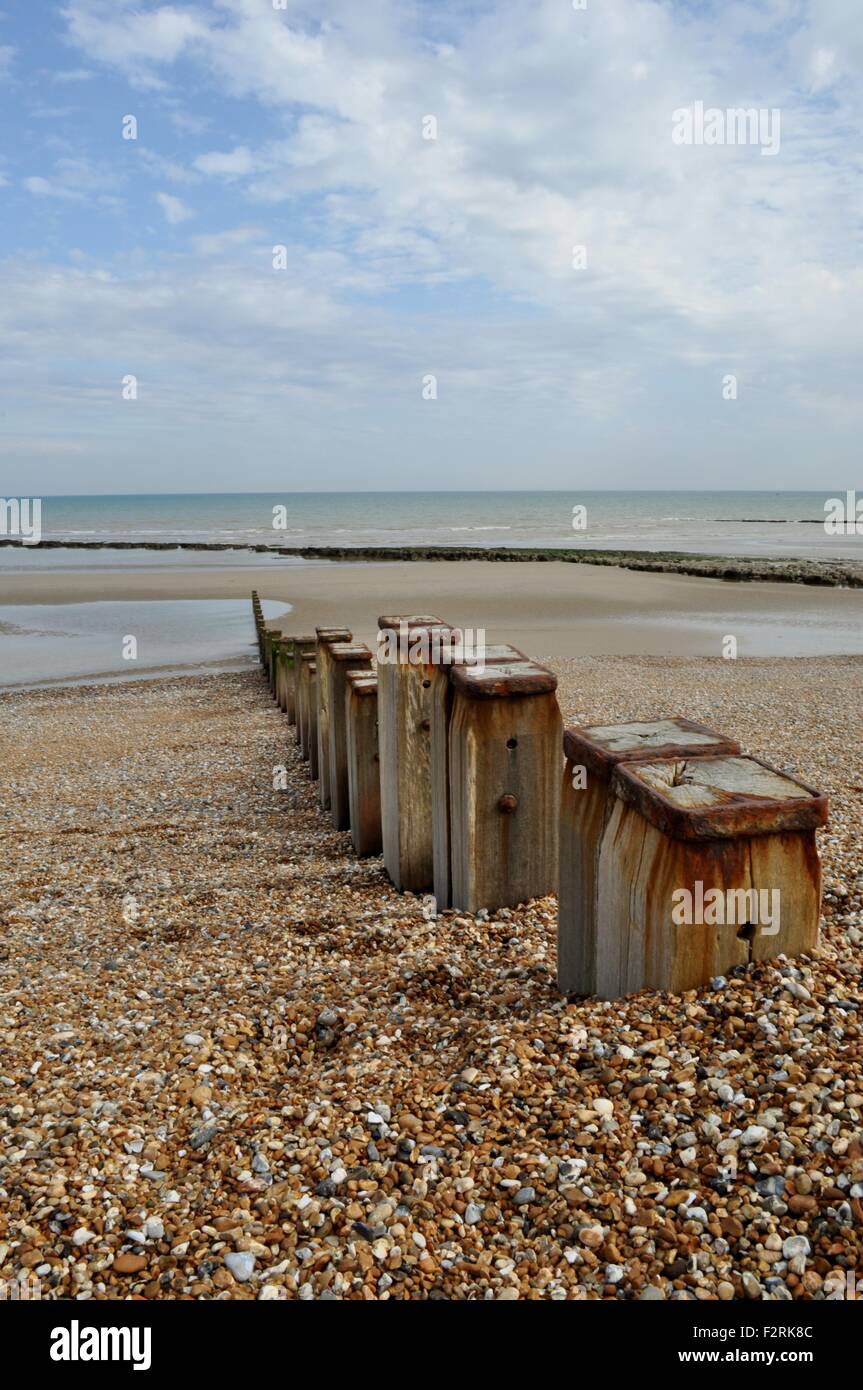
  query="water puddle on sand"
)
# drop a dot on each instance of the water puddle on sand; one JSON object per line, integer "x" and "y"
{"x": 51, "y": 644}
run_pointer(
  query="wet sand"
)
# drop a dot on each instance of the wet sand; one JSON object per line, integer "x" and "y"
{"x": 554, "y": 608}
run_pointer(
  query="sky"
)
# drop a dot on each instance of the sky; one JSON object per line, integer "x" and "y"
{"x": 501, "y": 265}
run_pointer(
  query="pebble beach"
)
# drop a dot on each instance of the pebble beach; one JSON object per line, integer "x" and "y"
{"x": 235, "y": 1063}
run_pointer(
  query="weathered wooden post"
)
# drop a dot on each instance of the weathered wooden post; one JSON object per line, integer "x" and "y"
{"x": 295, "y": 646}
{"x": 280, "y": 672}
{"x": 504, "y": 776}
{"x": 364, "y": 772}
{"x": 706, "y": 863}
{"x": 404, "y": 744}
{"x": 267, "y": 641}
{"x": 343, "y": 657}
{"x": 307, "y": 661}
{"x": 312, "y": 720}
{"x": 273, "y": 637}
{"x": 442, "y": 697}
{"x": 325, "y": 635}
{"x": 280, "y": 666}
{"x": 586, "y": 802}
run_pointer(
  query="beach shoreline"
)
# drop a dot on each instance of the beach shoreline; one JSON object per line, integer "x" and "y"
{"x": 840, "y": 573}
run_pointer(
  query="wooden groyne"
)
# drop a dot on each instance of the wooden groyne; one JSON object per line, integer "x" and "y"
{"x": 675, "y": 855}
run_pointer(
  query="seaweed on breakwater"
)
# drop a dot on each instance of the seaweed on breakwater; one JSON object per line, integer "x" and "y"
{"x": 829, "y": 574}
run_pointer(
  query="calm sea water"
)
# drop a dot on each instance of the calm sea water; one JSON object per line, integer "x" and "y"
{"x": 43, "y": 644}
{"x": 729, "y": 523}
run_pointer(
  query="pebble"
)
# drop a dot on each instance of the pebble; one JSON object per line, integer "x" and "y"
{"x": 241, "y": 1264}
{"x": 795, "y": 1245}
{"x": 754, "y": 1134}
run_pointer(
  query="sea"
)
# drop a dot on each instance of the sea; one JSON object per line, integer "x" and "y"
{"x": 56, "y": 642}
{"x": 781, "y": 524}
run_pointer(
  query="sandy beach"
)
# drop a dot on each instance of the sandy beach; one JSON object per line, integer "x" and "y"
{"x": 236, "y": 1064}
{"x": 554, "y": 608}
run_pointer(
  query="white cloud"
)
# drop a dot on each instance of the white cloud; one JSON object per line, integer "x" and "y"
{"x": 120, "y": 33}
{"x": 217, "y": 243}
{"x": 70, "y": 75}
{"x": 77, "y": 180}
{"x": 7, "y": 53}
{"x": 44, "y": 188}
{"x": 229, "y": 162}
{"x": 175, "y": 209}
{"x": 168, "y": 169}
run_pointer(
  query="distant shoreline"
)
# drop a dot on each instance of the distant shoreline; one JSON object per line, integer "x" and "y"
{"x": 829, "y": 574}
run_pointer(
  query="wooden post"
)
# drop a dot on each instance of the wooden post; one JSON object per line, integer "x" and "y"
{"x": 307, "y": 661}
{"x": 504, "y": 760}
{"x": 302, "y": 646}
{"x": 364, "y": 772}
{"x": 268, "y": 655}
{"x": 342, "y": 658}
{"x": 325, "y": 635}
{"x": 586, "y": 803}
{"x": 281, "y": 668}
{"x": 442, "y": 696}
{"x": 301, "y": 697}
{"x": 706, "y": 863}
{"x": 404, "y": 747}
{"x": 273, "y": 637}
{"x": 280, "y": 672}
{"x": 312, "y": 720}
{"x": 295, "y": 648}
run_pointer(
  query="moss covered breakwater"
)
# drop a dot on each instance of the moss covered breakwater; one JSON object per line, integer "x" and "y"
{"x": 831, "y": 574}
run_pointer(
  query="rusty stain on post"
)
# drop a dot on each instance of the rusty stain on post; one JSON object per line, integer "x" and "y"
{"x": 584, "y": 813}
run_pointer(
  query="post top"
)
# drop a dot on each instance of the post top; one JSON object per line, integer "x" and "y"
{"x": 309, "y": 657}
{"x": 718, "y": 797}
{"x": 503, "y": 679}
{"x": 333, "y": 634}
{"x": 346, "y": 651}
{"x": 410, "y": 620}
{"x": 600, "y": 747}
{"x": 304, "y": 637}
{"x": 498, "y": 654}
{"x": 361, "y": 683}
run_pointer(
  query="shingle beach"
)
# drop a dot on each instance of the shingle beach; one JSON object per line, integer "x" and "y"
{"x": 235, "y": 1063}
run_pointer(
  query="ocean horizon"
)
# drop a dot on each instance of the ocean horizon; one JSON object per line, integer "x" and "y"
{"x": 788, "y": 525}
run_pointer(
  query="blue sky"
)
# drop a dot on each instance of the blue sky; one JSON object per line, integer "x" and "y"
{"x": 408, "y": 256}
